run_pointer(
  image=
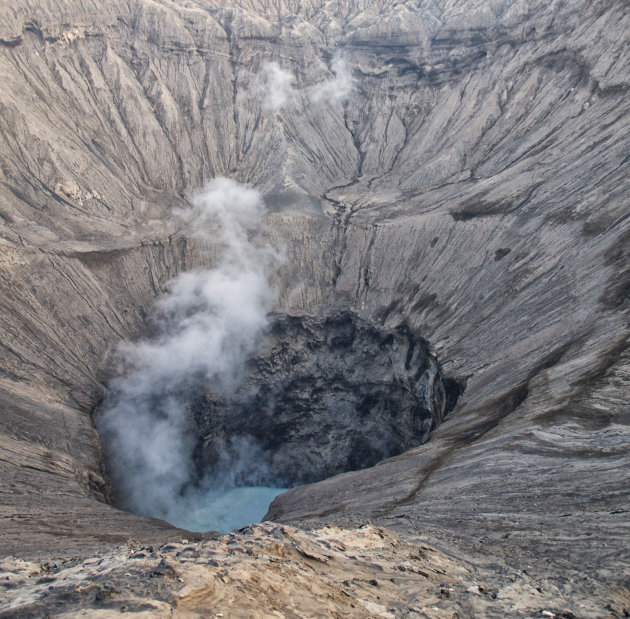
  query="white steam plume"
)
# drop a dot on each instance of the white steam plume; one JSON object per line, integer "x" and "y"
{"x": 276, "y": 88}
{"x": 207, "y": 323}
{"x": 340, "y": 86}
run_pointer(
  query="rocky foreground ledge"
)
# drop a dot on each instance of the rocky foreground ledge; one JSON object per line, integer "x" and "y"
{"x": 282, "y": 571}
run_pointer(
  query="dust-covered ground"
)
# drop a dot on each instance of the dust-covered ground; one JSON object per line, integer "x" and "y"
{"x": 269, "y": 570}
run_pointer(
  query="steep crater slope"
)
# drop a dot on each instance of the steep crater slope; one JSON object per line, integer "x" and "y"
{"x": 473, "y": 185}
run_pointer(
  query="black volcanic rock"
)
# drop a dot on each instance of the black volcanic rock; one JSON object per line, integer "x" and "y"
{"x": 324, "y": 395}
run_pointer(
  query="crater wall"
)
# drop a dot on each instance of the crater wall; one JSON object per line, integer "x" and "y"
{"x": 474, "y": 186}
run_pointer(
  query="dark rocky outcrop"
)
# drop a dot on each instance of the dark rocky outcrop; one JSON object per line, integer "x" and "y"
{"x": 324, "y": 395}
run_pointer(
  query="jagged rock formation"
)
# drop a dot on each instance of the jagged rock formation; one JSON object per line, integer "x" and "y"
{"x": 474, "y": 186}
{"x": 323, "y": 396}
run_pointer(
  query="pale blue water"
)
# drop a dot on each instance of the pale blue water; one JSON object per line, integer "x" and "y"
{"x": 226, "y": 510}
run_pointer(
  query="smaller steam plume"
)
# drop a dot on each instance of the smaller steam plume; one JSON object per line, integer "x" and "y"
{"x": 207, "y": 323}
{"x": 340, "y": 86}
{"x": 276, "y": 87}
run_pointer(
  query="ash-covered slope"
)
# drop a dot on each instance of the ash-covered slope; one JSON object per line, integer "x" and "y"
{"x": 471, "y": 180}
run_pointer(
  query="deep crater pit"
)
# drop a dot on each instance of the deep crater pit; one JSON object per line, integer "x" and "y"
{"x": 318, "y": 396}
{"x": 321, "y": 396}
{"x": 224, "y": 405}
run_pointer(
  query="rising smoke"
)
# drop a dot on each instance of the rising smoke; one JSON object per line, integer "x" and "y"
{"x": 337, "y": 88}
{"x": 206, "y": 325}
{"x": 277, "y": 86}
{"x": 207, "y": 322}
